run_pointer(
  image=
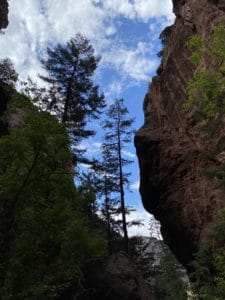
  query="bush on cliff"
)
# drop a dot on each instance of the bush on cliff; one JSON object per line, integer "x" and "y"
{"x": 209, "y": 265}
{"x": 206, "y": 90}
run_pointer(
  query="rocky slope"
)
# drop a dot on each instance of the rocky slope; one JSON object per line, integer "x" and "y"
{"x": 171, "y": 152}
{"x": 3, "y": 14}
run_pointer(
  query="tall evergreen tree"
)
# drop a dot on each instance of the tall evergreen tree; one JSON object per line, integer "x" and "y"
{"x": 118, "y": 134}
{"x": 109, "y": 188}
{"x": 72, "y": 94}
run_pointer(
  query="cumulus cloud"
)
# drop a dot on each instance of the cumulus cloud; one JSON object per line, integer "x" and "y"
{"x": 149, "y": 227}
{"x": 35, "y": 24}
{"x": 147, "y": 9}
{"x": 135, "y": 63}
{"x": 142, "y": 10}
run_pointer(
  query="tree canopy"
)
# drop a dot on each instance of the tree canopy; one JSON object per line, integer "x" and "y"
{"x": 73, "y": 96}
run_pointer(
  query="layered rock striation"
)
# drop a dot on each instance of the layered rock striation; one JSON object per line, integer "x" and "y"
{"x": 171, "y": 152}
{"x": 4, "y": 14}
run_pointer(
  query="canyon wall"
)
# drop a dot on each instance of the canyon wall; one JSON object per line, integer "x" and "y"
{"x": 172, "y": 153}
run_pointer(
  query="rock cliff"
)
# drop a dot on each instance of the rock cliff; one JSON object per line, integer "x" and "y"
{"x": 171, "y": 152}
{"x": 3, "y": 14}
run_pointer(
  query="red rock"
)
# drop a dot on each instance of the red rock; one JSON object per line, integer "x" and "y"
{"x": 171, "y": 152}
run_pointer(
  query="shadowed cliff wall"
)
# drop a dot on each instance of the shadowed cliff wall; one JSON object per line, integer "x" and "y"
{"x": 171, "y": 152}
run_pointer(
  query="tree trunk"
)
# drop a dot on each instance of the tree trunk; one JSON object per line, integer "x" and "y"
{"x": 65, "y": 116}
{"x": 107, "y": 214}
{"x": 122, "y": 200}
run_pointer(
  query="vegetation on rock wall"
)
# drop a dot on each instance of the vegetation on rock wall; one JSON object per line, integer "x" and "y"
{"x": 169, "y": 279}
{"x": 206, "y": 95}
{"x": 164, "y": 37}
{"x": 209, "y": 272}
{"x": 206, "y": 90}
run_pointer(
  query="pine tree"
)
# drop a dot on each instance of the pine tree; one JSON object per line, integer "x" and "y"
{"x": 73, "y": 96}
{"x": 88, "y": 187}
{"x": 118, "y": 134}
{"x": 8, "y": 74}
{"x": 109, "y": 188}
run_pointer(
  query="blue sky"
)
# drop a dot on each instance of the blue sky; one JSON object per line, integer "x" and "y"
{"x": 123, "y": 32}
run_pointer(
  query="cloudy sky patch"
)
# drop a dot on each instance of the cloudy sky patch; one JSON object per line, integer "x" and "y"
{"x": 123, "y": 32}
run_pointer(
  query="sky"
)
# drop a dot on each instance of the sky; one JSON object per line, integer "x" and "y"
{"x": 125, "y": 33}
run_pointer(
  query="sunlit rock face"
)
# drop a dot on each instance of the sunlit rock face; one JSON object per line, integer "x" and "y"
{"x": 3, "y": 14}
{"x": 171, "y": 152}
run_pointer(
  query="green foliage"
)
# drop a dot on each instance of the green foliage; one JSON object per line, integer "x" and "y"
{"x": 218, "y": 42}
{"x": 209, "y": 265}
{"x": 8, "y": 74}
{"x": 169, "y": 285}
{"x": 217, "y": 174}
{"x": 46, "y": 240}
{"x": 118, "y": 133}
{"x": 206, "y": 91}
{"x": 196, "y": 43}
{"x": 73, "y": 96}
{"x": 167, "y": 277}
{"x": 164, "y": 36}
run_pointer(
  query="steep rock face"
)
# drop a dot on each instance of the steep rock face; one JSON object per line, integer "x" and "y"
{"x": 4, "y": 14}
{"x": 172, "y": 154}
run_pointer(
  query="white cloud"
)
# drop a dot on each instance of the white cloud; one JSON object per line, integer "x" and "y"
{"x": 134, "y": 63}
{"x": 142, "y": 10}
{"x": 66, "y": 17}
{"x": 91, "y": 147}
{"x": 85, "y": 166}
{"x": 121, "y": 7}
{"x": 147, "y": 9}
{"x": 115, "y": 89}
{"x": 36, "y": 23}
{"x": 150, "y": 226}
{"x": 135, "y": 185}
{"x": 129, "y": 154}
{"x": 97, "y": 145}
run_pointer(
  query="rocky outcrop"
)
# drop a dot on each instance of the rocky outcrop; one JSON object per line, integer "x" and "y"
{"x": 4, "y": 14}
{"x": 124, "y": 281}
{"x": 171, "y": 152}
